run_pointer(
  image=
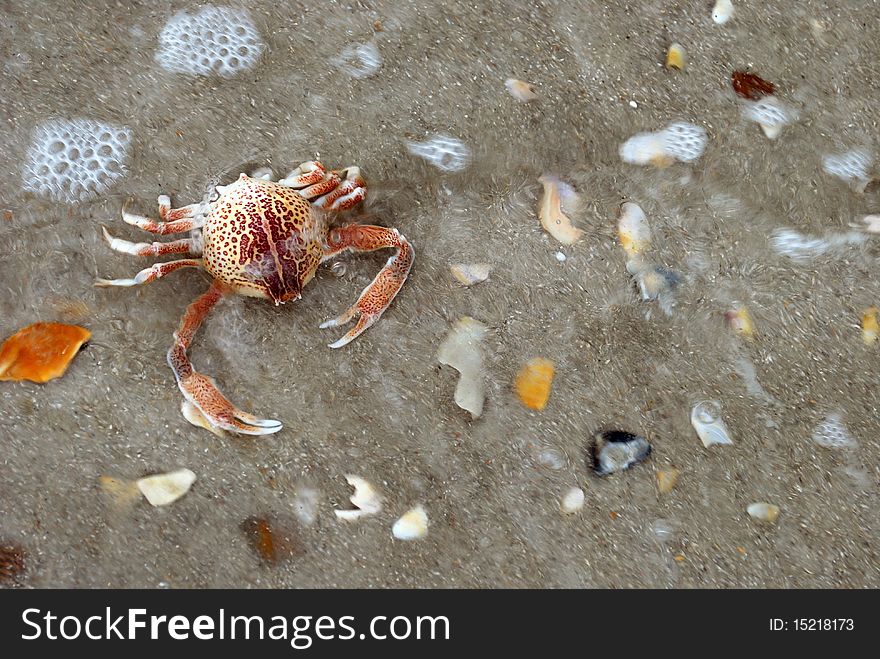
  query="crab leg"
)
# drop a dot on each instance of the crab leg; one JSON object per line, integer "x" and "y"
{"x": 308, "y": 173}
{"x": 347, "y": 194}
{"x": 183, "y": 246}
{"x": 376, "y": 297}
{"x": 201, "y": 390}
{"x": 169, "y": 214}
{"x": 156, "y": 271}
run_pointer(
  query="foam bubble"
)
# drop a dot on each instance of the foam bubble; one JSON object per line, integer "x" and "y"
{"x": 214, "y": 41}
{"x": 849, "y": 166}
{"x": 770, "y": 114}
{"x": 831, "y": 433}
{"x": 359, "y": 61}
{"x": 444, "y": 152}
{"x": 678, "y": 141}
{"x": 77, "y": 159}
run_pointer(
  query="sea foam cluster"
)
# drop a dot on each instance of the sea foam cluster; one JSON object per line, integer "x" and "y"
{"x": 678, "y": 141}
{"x": 214, "y": 41}
{"x": 75, "y": 160}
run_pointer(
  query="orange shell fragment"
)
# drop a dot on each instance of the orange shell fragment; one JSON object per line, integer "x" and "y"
{"x": 40, "y": 352}
{"x": 534, "y": 381}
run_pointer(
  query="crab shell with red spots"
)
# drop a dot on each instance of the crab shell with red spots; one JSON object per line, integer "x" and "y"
{"x": 263, "y": 239}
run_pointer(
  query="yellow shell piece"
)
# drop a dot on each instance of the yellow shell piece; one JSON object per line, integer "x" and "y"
{"x": 740, "y": 322}
{"x": 40, "y": 352}
{"x": 666, "y": 479}
{"x": 675, "y": 57}
{"x": 533, "y": 383}
{"x": 870, "y": 327}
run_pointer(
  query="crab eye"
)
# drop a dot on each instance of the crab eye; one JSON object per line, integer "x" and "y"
{"x": 335, "y": 236}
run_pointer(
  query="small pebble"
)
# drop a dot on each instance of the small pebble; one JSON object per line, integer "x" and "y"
{"x": 617, "y": 450}
{"x": 560, "y": 257}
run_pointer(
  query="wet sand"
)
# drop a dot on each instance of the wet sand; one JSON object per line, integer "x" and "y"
{"x": 383, "y": 408}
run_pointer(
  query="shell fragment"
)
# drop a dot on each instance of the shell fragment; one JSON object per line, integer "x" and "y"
{"x": 412, "y": 525}
{"x": 366, "y": 500}
{"x": 618, "y": 450}
{"x": 533, "y": 383}
{"x": 765, "y": 512}
{"x": 550, "y": 210}
{"x": 706, "y": 420}
{"x": 572, "y": 501}
{"x": 520, "y": 90}
{"x": 461, "y": 350}
{"x": 468, "y": 274}
{"x": 162, "y": 489}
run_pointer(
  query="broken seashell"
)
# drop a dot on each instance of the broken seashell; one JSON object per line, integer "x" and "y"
{"x": 655, "y": 282}
{"x": 468, "y": 274}
{"x": 722, "y": 11}
{"x": 555, "y": 222}
{"x": 533, "y": 383}
{"x": 633, "y": 229}
{"x": 194, "y": 415}
{"x": 572, "y": 501}
{"x": 870, "y": 328}
{"x": 41, "y": 352}
{"x": 162, "y": 489}
{"x": 750, "y": 86}
{"x": 766, "y": 512}
{"x": 617, "y": 450}
{"x": 122, "y": 493}
{"x": 521, "y": 91}
{"x": 675, "y": 57}
{"x": 412, "y": 525}
{"x": 706, "y": 420}
{"x": 666, "y": 480}
{"x": 366, "y": 500}
{"x": 740, "y": 322}
{"x": 461, "y": 351}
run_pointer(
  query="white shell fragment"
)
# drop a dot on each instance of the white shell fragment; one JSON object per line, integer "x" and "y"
{"x": 678, "y": 141}
{"x": 520, "y": 90}
{"x": 558, "y": 196}
{"x": 722, "y": 11}
{"x": 162, "y": 489}
{"x": 831, "y": 433}
{"x": 706, "y": 420}
{"x": 461, "y": 350}
{"x": 572, "y": 501}
{"x": 852, "y": 166}
{"x": 765, "y": 512}
{"x": 413, "y": 525}
{"x": 366, "y": 499}
{"x": 633, "y": 229}
{"x": 468, "y": 274}
{"x": 770, "y": 114}
{"x": 655, "y": 282}
{"x": 359, "y": 61}
{"x": 445, "y": 153}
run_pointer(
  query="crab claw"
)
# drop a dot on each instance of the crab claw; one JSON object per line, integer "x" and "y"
{"x": 210, "y": 409}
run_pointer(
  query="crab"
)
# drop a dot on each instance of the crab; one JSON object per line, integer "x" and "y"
{"x": 264, "y": 239}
